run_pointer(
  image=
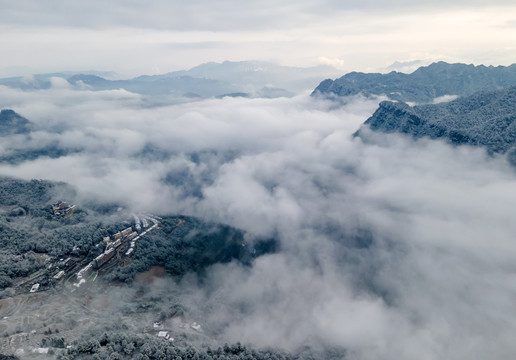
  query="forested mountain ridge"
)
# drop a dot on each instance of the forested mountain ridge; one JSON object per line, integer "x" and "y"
{"x": 12, "y": 123}
{"x": 485, "y": 119}
{"x": 423, "y": 85}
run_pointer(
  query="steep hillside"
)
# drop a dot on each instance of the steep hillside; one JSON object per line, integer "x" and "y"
{"x": 484, "y": 119}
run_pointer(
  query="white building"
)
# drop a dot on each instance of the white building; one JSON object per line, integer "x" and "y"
{"x": 40, "y": 351}
{"x": 164, "y": 335}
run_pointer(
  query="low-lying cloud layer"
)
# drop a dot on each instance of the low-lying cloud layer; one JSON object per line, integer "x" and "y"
{"x": 392, "y": 249}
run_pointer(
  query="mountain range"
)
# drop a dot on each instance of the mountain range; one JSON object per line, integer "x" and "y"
{"x": 424, "y": 85}
{"x": 244, "y": 78}
{"x": 462, "y": 104}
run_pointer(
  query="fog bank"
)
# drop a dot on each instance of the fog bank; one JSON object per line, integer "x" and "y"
{"x": 392, "y": 249}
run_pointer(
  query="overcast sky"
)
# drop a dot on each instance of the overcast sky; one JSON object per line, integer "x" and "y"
{"x": 136, "y": 37}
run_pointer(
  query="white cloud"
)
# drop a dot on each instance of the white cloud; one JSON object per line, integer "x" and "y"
{"x": 395, "y": 249}
{"x": 335, "y": 62}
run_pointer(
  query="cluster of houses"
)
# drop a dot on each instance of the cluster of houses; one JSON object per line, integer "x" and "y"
{"x": 162, "y": 333}
{"x": 61, "y": 208}
{"x": 62, "y": 266}
{"x": 114, "y": 242}
{"x": 158, "y": 326}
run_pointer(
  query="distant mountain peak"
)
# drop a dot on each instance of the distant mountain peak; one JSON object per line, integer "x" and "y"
{"x": 87, "y": 79}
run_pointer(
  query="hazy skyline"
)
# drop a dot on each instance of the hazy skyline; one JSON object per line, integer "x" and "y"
{"x": 138, "y": 37}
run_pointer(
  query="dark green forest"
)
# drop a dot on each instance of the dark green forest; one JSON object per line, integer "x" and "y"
{"x": 144, "y": 347}
{"x": 187, "y": 244}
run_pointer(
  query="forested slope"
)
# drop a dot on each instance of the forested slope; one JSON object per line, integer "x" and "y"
{"x": 486, "y": 119}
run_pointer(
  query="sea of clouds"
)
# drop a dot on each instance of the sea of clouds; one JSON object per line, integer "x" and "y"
{"x": 389, "y": 247}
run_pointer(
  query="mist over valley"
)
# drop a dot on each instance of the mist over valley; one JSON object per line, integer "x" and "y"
{"x": 259, "y": 227}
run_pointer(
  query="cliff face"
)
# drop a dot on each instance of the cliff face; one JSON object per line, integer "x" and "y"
{"x": 483, "y": 119}
{"x": 423, "y": 85}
